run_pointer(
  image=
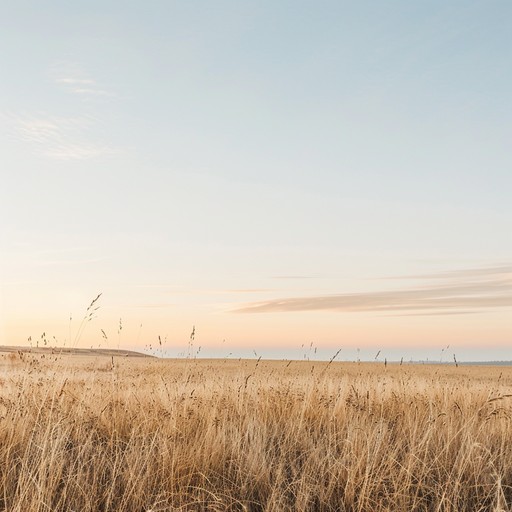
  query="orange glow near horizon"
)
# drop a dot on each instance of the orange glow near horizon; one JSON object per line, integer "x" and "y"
{"x": 141, "y": 328}
{"x": 459, "y": 308}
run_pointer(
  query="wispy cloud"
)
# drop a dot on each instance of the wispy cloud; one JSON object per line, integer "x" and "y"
{"x": 80, "y": 135}
{"x": 173, "y": 289}
{"x": 73, "y": 79}
{"x": 459, "y": 292}
{"x": 294, "y": 277}
{"x": 56, "y": 137}
{"x": 468, "y": 273}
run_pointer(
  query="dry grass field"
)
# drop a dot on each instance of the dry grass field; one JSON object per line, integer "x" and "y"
{"x": 77, "y": 434}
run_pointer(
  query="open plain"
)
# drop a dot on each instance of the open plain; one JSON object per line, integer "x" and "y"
{"x": 96, "y": 433}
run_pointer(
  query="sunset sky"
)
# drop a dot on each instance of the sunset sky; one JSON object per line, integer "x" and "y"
{"x": 279, "y": 174}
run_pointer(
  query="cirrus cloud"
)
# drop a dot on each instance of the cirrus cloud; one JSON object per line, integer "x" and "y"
{"x": 57, "y": 137}
{"x": 456, "y": 292}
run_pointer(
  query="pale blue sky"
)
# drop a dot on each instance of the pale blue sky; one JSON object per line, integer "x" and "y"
{"x": 190, "y": 159}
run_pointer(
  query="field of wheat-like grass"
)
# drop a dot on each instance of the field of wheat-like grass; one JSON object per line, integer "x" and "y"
{"x": 77, "y": 434}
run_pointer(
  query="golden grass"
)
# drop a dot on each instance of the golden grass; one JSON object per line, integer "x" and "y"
{"x": 77, "y": 435}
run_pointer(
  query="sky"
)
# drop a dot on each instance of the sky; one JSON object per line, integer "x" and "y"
{"x": 276, "y": 175}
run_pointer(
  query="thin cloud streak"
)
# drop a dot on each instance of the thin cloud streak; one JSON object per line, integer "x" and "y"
{"x": 75, "y": 81}
{"x": 293, "y": 277}
{"x": 449, "y": 298}
{"x": 472, "y": 273}
{"x": 56, "y": 137}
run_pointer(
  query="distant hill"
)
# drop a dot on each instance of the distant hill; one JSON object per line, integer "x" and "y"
{"x": 73, "y": 351}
